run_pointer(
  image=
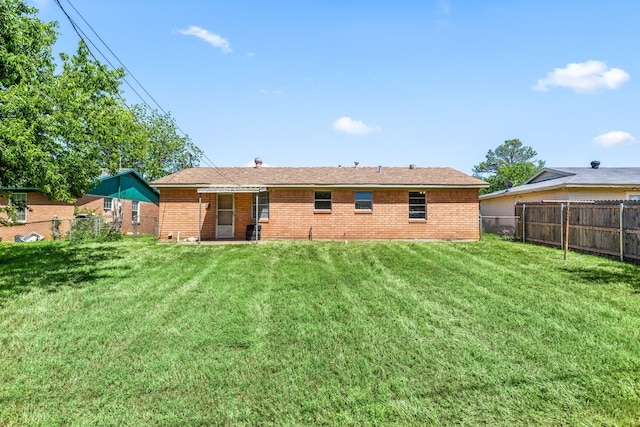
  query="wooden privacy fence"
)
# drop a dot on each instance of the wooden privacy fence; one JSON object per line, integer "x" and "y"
{"x": 608, "y": 228}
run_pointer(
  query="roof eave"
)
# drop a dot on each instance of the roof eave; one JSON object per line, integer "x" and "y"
{"x": 513, "y": 191}
{"x": 561, "y": 172}
{"x": 322, "y": 185}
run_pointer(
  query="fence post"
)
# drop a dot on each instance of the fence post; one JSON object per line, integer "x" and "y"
{"x": 561, "y": 225}
{"x": 524, "y": 205}
{"x": 622, "y": 231}
{"x": 566, "y": 232}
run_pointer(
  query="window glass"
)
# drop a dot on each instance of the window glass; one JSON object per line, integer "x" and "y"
{"x": 19, "y": 202}
{"x": 364, "y": 200}
{"x": 633, "y": 197}
{"x": 417, "y": 205}
{"x": 263, "y": 205}
{"x": 108, "y": 203}
{"x": 322, "y": 200}
{"x": 135, "y": 211}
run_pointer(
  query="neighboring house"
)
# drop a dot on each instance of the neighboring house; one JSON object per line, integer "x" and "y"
{"x": 128, "y": 194}
{"x": 125, "y": 192}
{"x": 573, "y": 184}
{"x": 336, "y": 203}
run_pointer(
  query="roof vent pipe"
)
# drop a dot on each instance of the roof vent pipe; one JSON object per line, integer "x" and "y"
{"x": 412, "y": 166}
{"x": 355, "y": 164}
{"x": 258, "y": 161}
{"x": 379, "y": 169}
{"x": 595, "y": 164}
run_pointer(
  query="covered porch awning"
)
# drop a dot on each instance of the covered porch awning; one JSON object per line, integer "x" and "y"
{"x": 253, "y": 189}
{"x": 233, "y": 189}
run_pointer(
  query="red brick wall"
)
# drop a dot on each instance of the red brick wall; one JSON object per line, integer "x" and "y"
{"x": 41, "y": 211}
{"x": 451, "y": 214}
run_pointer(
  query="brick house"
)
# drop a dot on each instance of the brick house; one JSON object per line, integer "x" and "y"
{"x": 126, "y": 191}
{"x": 335, "y": 203}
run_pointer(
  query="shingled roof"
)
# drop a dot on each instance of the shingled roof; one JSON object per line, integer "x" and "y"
{"x": 433, "y": 177}
{"x": 554, "y": 178}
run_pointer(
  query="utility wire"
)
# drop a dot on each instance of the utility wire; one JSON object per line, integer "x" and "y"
{"x": 82, "y": 35}
{"x": 84, "y": 38}
{"x": 118, "y": 59}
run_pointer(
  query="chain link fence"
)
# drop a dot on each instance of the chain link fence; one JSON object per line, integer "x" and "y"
{"x": 79, "y": 229}
{"x": 503, "y": 226}
{"x": 16, "y": 233}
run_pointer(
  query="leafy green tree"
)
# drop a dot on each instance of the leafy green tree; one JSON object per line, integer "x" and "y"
{"x": 61, "y": 128}
{"x": 511, "y": 161}
{"x": 158, "y": 150}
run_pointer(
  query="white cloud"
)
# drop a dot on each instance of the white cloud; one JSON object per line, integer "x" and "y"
{"x": 348, "y": 125}
{"x": 271, "y": 92}
{"x": 211, "y": 38}
{"x": 445, "y": 6}
{"x": 590, "y": 76}
{"x": 615, "y": 139}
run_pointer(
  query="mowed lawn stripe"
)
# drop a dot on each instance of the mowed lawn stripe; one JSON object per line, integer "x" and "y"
{"x": 318, "y": 333}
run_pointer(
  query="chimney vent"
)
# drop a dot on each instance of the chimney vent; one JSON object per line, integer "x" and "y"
{"x": 355, "y": 164}
{"x": 379, "y": 169}
{"x": 595, "y": 164}
{"x": 258, "y": 161}
{"x": 412, "y": 166}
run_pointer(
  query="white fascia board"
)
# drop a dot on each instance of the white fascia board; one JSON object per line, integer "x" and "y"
{"x": 233, "y": 189}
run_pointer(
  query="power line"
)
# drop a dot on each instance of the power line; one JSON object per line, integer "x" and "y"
{"x": 84, "y": 38}
{"x": 82, "y": 35}
{"x": 118, "y": 59}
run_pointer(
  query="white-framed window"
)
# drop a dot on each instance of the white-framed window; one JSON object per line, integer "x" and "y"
{"x": 322, "y": 201}
{"x": 417, "y": 205}
{"x": 633, "y": 196}
{"x": 135, "y": 211}
{"x": 263, "y": 205}
{"x": 363, "y": 200}
{"x": 108, "y": 204}
{"x": 19, "y": 202}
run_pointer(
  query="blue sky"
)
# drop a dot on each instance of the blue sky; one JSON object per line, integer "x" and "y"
{"x": 392, "y": 83}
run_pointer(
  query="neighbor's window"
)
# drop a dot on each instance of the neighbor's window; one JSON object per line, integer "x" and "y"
{"x": 322, "y": 201}
{"x": 263, "y": 206}
{"x": 633, "y": 196}
{"x": 135, "y": 211}
{"x": 417, "y": 205}
{"x": 364, "y": 200}
{"x": 108, "y": 203}
{"x": 19, "y": 202}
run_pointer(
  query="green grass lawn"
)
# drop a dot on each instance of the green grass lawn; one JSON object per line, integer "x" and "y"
{"x": 300, "y": 333}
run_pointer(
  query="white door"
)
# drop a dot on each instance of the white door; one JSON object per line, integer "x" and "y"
{"x": 224, "y": 225}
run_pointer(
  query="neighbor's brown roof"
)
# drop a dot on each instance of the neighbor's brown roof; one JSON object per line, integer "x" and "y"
{"x": 319, "y": 176}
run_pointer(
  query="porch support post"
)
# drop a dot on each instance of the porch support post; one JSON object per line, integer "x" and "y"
{"x": 257, "y": 217}
{"x": 199, "y": 217}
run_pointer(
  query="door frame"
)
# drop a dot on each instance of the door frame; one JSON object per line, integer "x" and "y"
{"x": 233, "y": 217}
